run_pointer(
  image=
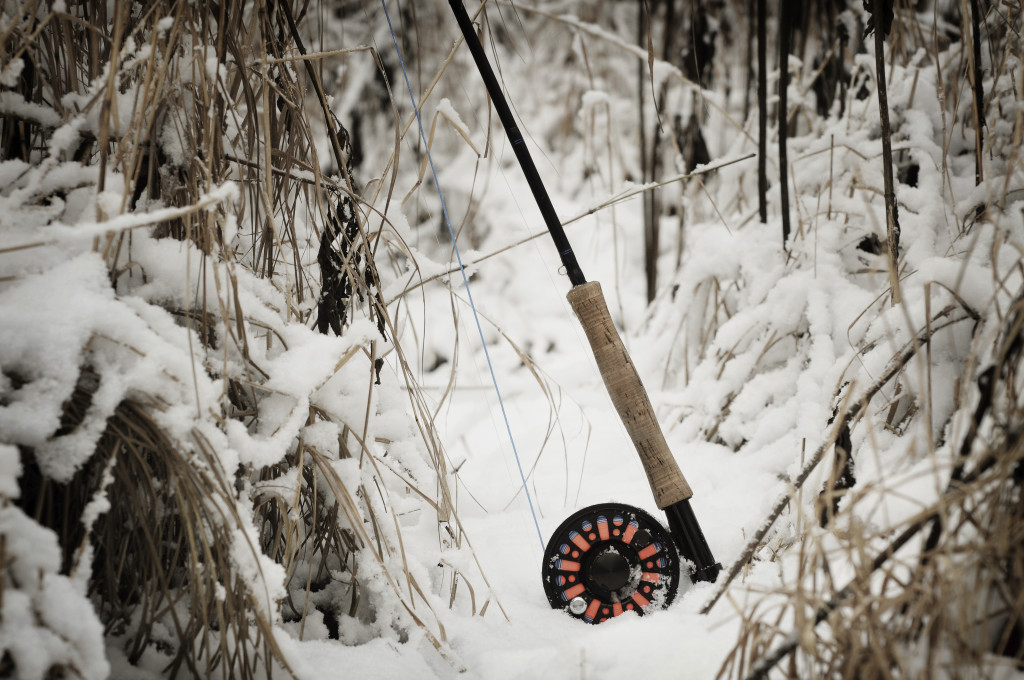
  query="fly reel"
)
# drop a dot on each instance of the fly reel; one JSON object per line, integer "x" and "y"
{"x": 608, "y": 559}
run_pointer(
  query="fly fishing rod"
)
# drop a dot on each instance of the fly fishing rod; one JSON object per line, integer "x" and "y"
{"x": 608, "y": 558}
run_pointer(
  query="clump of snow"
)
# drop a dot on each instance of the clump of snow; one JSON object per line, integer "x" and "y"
{"x": 11, "y": 72}
{"x": 15, "y": 104}
{"x": 10, "y": 463}
{"x": 45, "y": 620}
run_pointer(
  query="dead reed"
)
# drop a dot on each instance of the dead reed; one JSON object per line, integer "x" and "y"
{"x": 214, "y": 119}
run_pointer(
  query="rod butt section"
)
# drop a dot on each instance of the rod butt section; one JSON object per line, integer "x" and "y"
{"x": 691, "y": 542}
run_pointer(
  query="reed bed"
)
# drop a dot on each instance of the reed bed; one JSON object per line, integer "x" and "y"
{"x": 199, "y": 484}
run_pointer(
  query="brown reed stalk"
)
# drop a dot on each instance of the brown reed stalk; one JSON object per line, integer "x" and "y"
{"x": 882, "y": 14}
{"x": 786, "y": 18}
{"x": 762, "y": 111}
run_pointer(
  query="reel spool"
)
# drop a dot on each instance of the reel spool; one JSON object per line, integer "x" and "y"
{"x": 607, "y": 559}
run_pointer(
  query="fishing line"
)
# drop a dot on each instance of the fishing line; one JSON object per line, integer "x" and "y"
{"x": 462, "y": 269}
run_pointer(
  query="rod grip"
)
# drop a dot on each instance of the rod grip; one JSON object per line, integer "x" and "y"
{"x": 628, "y": 395}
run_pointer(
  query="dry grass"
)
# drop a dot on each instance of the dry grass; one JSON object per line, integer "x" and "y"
{"x": 933, "y": 592}
{"x": 193, "y": 566}
{"x": 936, "y": 595}
{"x": 230, "y": 94}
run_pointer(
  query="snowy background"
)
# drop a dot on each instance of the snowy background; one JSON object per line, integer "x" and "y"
{"x": 751, "y": 352}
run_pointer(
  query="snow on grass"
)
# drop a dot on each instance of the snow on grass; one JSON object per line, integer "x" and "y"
{"x": 750, "y": 352}
{"x": 45, "y": 618}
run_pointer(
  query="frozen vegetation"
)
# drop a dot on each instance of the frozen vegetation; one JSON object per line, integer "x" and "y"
{"x": 247, "y": 425}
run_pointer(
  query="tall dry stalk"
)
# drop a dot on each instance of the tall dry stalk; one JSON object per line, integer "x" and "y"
{"x": 762, "y": 110}
{"x": 882, "y": 19}
{"x": 786, "y": 18}
{"x": 977, "y": 84}
{"x": 650, "y": 157}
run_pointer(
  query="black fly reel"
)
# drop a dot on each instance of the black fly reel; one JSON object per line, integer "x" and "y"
{"x": 608, "y": 559}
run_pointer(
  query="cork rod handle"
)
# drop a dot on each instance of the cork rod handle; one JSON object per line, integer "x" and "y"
{"x": 628, "y": 395}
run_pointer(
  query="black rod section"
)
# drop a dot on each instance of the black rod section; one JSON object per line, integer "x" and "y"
{"x": 686, "y": 531}
{"x": 547, "y": 210}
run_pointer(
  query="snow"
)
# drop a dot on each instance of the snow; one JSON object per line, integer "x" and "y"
{"x": 11, "y": 72}
{"x": 44, "y": 618}
{"x": 45, "y": 349}
{"x": 14, "y": 104}
{"x": 748, "y": 352}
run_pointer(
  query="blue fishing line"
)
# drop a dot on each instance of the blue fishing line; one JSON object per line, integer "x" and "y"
{"x": 465, "y": 279}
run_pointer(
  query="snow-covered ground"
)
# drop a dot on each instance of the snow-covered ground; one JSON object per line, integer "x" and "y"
{"x": 749, "y": 352}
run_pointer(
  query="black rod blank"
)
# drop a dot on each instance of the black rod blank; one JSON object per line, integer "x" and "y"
{"x": 547, "y": 210}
